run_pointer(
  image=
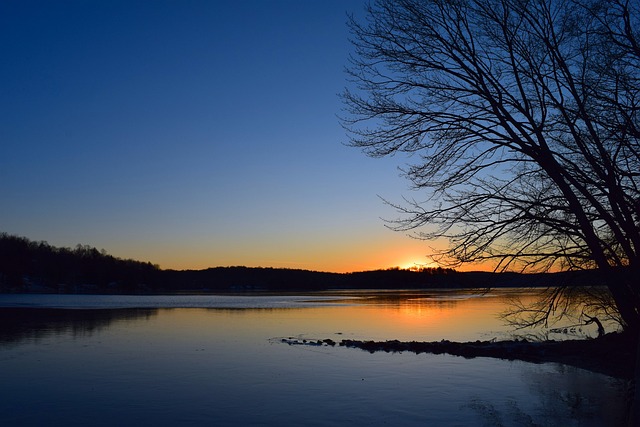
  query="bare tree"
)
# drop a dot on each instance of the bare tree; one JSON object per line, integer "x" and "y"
{"x": 523, "y": 118}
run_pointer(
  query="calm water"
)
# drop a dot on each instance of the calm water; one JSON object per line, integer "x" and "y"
{"x": 219, "y": 360}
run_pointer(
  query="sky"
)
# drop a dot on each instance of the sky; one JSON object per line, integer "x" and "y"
{"x": 192, "y": 134}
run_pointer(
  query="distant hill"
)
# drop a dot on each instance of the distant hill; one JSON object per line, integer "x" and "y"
{"x": 30, "y": 266}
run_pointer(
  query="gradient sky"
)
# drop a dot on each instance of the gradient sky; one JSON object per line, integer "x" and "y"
{"x": 191, "y": 134}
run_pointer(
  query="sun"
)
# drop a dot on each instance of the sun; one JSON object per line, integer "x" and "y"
{"x": 417, "y": 265}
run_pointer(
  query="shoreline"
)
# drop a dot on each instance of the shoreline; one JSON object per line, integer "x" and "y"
{"x": 613, "y": 354}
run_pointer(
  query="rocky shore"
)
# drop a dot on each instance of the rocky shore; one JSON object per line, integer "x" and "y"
{"x": 613, "y": 354}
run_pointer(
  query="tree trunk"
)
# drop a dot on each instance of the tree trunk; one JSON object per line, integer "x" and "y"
{"x": 634, "y": 409}
{"x": 626, "y": 302}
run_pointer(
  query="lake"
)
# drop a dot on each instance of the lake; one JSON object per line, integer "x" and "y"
{"x": 103, "y": 360}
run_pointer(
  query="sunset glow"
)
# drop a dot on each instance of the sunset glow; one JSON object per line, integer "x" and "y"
{"x": 193, "y": 157}
{"x": 418, "y": 265}
{"x": 290, "y": 212}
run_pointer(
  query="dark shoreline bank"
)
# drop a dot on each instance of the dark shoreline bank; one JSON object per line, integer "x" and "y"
{"x": 36, "y": 267}
{"x": 613, "y": 354}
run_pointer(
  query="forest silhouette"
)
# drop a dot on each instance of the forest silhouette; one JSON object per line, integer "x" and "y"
{"x": 36, "y": 266}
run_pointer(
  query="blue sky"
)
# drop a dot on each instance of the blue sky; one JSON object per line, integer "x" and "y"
{"x": 191, "y": 134}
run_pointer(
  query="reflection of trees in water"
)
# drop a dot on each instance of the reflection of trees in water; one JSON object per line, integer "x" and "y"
{"x": 565, "y": 310}
{"x": 537, "y": 314}
{"x": 565, "y": 396}
{"x": 24, "y": 324}
{"x": 511, "y": 413}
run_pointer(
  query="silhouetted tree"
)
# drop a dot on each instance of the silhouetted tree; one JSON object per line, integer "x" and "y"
{"x": 523, "y": 118}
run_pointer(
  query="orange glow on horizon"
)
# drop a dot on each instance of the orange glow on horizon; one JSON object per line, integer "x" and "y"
{"x": 381, "y": 262}
{"x": 417, "y": 265}
{"x": 362, "y": 254}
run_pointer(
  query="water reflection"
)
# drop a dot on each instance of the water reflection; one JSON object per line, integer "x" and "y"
{"x": 375, "y": 315}
{"x": 204, "y": 366}
{"x": 33, "y": 324}
{"x": 562, "y": 396}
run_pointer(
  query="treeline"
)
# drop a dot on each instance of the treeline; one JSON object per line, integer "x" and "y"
{"x": 29, "y": 266}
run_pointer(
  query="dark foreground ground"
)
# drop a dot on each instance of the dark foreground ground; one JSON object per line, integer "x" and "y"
{"x": 613, "y": 354}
